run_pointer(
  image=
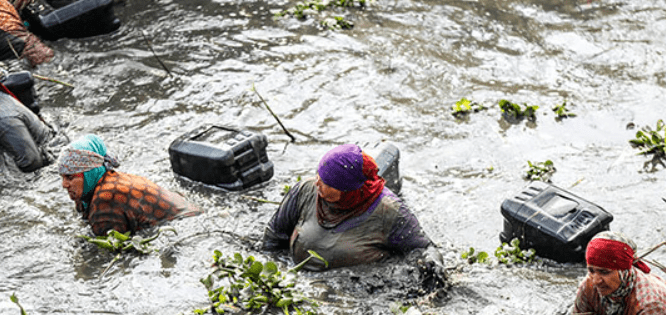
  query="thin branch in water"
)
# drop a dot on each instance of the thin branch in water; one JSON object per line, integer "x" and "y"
{"x": 109, "y": 266}
{"x": 145, "y": 38}
{"x": 52, "y": 80}
{"x": 274, "y": 116}
{"x": 14, "y": 50}
{"x": 260, "y": 199}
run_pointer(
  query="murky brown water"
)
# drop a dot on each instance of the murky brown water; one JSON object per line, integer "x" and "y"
{"x": 392, "y": 78}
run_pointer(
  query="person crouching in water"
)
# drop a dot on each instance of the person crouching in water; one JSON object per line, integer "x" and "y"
{"x": 347, "y": 216}
{"x": 108, "y": 199}
{"x": 617, "y": 282}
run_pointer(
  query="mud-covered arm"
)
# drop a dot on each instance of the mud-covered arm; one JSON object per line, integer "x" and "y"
{"x": 282, "y": 224}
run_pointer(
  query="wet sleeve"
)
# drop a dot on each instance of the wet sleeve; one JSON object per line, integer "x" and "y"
{"x": 406, "y": 233}
{"x": 16, "y": 140}
{"x": 282, "y": 224}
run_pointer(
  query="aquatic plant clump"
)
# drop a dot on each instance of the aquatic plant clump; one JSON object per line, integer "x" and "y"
{"x": 303, "y": 9}
{"x": 562, "y": 111}
{"x": 515, "y": 111}
{"x": 475, "y": 257}
{"x": 251, "y": 286}
{"x": 651, "y": 141}
{"x": 541, "y": 171}
{"x": 512, "y": 253}
{"x": 465, "y": 106}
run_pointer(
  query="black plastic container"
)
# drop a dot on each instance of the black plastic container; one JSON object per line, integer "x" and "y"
{"x": 22, "y": 84}
{"x": 82, "y": 18}
{"x": 387, "y": 158}
{"x": 225, "y": 157}
{"x": 556, "y": 223}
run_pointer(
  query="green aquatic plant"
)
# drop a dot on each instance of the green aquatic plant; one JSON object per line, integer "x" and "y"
{"x": 14, "y": 299}
{"x": 115, "y": 241}
{"x": 252, "y": 286}
{"x": 540, "y": 170}
{"x": 562, "y": 111}
{"x": 304, "y": 8}
{"x": 120, "y": 242}
{"x": 512, "y": 253}
{"x": 473, "y": 257}
{"x": 516, "y": 111}
{"x": 337, "y": 23}
{"x": 465, "y": 106}
{"x": 651, "y": 141}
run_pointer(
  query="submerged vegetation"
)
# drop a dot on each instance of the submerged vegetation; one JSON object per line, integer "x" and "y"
{"x": 465, "y": 106}
{"x": 303, "y": 9}
{"x": 562, "y": 111}
{"x": 652, "y": 142}
{"x": 252, "y": 286}
{"x": 515, "y": 111}
{"x": 541, "y": 171}
{"x": 505, "y": 254}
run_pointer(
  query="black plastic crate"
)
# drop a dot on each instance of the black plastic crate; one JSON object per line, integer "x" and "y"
{"x": 387, "y": 157}
{"x": 225, "y": 157}
{"x": 556, "y": 223}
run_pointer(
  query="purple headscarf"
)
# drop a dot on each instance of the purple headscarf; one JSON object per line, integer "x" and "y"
{"x": 342, "y": 168}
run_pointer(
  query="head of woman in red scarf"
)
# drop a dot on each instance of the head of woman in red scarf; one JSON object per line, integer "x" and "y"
{"x": 347, "y": 181}
{"x": 611, "y": 260}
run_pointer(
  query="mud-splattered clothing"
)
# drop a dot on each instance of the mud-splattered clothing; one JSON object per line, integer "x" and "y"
{"x": 23, "y": 135}
{"x": 648, "y": 296}
{"x": 386, "y": 228}
{"x": 126, "y": 202}
{"x": 14, "y": 36}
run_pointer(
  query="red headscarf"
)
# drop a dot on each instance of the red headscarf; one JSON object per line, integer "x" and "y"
{"x": 613, "y": 251}
{"x": 355, "y": 202}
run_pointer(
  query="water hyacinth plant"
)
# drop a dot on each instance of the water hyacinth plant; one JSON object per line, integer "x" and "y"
{"x": 512, "y": 253}
{"x": 540, "y": 170}
{"x": 562, "y": 111}
{"x": 250, "y": 286}
{"x": 473, "y": 257}
{"x": 651, "y": 141}
{"x": 304, "y": 8}
{"x": 14, "y": 299}
{"x": 465, "y": 106}
{"x": 515, "y": 111}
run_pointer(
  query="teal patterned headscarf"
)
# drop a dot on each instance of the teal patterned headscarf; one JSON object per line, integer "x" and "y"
{"x": 87, "y": 155}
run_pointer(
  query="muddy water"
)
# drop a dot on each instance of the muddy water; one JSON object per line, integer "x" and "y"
{"x": 394, "y": 77}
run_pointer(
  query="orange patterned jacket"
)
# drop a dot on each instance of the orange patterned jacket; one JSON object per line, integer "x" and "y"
{"x": 126, "y": 202}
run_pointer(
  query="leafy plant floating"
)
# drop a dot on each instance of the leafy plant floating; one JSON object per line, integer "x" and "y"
{"x": 515, "y": 111}
{"x": 119, "y": 242}
{"x": 304, "y": 8}
{"x": 651, "y": 141}
{"x": 511, "y": 253}
{"x": 251, "y": 286}
{"x": 465, "y": 106}
{"x": 14, "y": 299}
{"x": 562, "y": 111}
{"x": 474, "y": 257}
{"x": 541, "y": 171}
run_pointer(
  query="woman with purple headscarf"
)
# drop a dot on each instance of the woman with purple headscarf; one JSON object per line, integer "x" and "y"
{"x": 345, "y": 214}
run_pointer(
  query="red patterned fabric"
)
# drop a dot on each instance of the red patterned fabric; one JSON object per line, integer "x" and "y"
{"x": 648, "y": 297}
{"x": 34, "y": 50}
{"x": 126, "y": 202}
{"x": 612, "y": 254}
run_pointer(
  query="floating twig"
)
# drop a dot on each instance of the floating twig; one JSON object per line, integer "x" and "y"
{"x": 260, "y": 199}
{"x": 145, "y": 38}
{"x": 12, "y": 48}
{"x": 109, "y": 266}
{"x": 275, "y": 116}
{"x": 36, "y": 76}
